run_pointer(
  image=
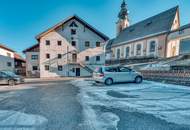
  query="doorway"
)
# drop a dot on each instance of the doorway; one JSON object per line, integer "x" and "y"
{"x": 77, "y": 72}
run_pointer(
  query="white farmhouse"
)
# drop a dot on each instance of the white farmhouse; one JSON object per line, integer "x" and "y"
{"x": 6, "y": 58}
{"x": 70, "y": 48}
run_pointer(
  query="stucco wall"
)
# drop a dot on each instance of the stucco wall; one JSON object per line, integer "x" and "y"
{"x": 64, "y": 34}
{"x": 159, "y": 52}
{"x": 30, "y": 63}
{"x": 4, "y": 59}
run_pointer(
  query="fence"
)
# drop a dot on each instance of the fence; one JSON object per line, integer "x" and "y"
{"x": 172, "y": 76}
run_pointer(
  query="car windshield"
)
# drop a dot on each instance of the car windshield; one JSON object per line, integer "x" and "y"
{"x": 9, "y": 73}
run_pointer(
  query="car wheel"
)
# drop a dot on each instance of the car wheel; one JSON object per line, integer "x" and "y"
{"x": 138, "y": 79}
{"x": 109, "y": 81}
{"x": 11, "y": 82}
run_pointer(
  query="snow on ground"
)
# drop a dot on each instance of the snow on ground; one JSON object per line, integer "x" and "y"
{"x": 164, "y": 101}
{"x": 19, "y": 121}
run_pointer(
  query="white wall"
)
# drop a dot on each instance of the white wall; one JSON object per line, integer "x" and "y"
{"x": 30, "y": 63}
{"x": 65, "y": 36}
{"x": 4, "y": 59}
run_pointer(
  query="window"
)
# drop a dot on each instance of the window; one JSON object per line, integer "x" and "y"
{"x": 73, "y": 24}
{"x": 97, "y": 44}
{"x": 138, "y": 49}
{"x": 8, "y": 54}
{"x": 9, "y": 64}
{"x": 110, "y": 69}
{"x": 127, "y": 51}
{"x": 118, "y": 53}
{"x": 73, "y": 31}
{"x": 73, "y": 43}
{"x": 59, "y": 43}
{"x": 46, "y": 67}
{"x": 47, "y": 56}
{"x": 124, "y": 69}
{"x": 87, "y": 58}
{"x": 34, "y": 68}
{"x": 59, "y": 56}
{"x": 87, "y": 44}
{"x": 34, "y": 57}
{"x": 152, "y": 47}
{"x": 73, "y": 70}
{"x": 97, "y": 58}
{"x": 60, "y": 68}
{"x": 47, "y": 42}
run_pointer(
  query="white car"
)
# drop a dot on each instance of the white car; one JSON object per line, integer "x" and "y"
{"x": 110, "y": 75}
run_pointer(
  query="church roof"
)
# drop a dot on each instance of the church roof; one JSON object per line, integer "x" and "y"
{"x": 154, "y": 25}
{"x": 100, "y": 34}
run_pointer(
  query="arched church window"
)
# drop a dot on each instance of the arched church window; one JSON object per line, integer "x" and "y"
{"x": 152, "y": 47}
{"x": 118, "y": 53}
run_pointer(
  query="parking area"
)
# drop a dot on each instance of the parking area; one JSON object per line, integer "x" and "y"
{"x": 151, "y": 105}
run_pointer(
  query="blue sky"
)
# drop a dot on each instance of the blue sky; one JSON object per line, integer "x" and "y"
{"x": 22, "y": 20}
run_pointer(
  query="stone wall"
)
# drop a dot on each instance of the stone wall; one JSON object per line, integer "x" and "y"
{"x": 174, "y": 77}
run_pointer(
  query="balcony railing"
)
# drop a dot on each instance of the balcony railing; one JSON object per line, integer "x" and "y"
{"x": 133, "y": 60}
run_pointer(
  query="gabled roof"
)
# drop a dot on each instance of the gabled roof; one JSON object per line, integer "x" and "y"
{"x": 30, "y": 48}
{"x": 154, "y": 25}
{"x": 6, "y": 48}
{"x": 103, "y": 36}
{"x": 19, "y": 57}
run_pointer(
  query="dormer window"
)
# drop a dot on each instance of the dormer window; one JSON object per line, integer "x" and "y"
{"x": 131, "y": 30}
{"x": 148, "y": 23}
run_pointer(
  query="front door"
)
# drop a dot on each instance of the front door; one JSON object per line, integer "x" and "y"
{"x": 77, "y": 72}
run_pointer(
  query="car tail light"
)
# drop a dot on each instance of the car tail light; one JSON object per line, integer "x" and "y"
{"x": 101, "y": 75}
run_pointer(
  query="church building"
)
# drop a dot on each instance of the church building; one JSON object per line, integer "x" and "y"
{"x": 146, "y": 40}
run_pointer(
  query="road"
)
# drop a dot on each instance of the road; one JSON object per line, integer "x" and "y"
{"x": 83, "y": 105}
{"x": 48, "y": 105}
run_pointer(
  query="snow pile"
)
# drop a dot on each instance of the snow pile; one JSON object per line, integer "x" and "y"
{"x": 164, "y": 101}
{"x": 17, "y": 120}
{"x": 156, "y": 67}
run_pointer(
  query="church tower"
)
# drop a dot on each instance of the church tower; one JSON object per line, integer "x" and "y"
{"x": 123, "y": 21}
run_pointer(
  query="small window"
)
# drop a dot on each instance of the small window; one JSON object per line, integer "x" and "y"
{"x": 73, "y": 31}
{"x": 47, "y": 42}
{"x": 34, "y": 68}
{"x": 73, "y": 43}
{"x": 9, "y": 64}
{"x": 97, "y": 44}
{"x": 34, "y": 57}
{"x": 73, "y": 24}
{"x": 47, "y": 56}
{"x": 149, "y": 23}
{"x": 59, "y": 43}
{"x": 59, "y": 56}
{"x": 152, "y": 46}
{"x": 97, "y": 58}
{"x": 131, "y": 30}
{"x": 87, "y": 58}
{"x": 87, "y": 44}
{"x": 60, "y": 68}
{"x": 46, "y": 67}
{"x": 73, "y": 70}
